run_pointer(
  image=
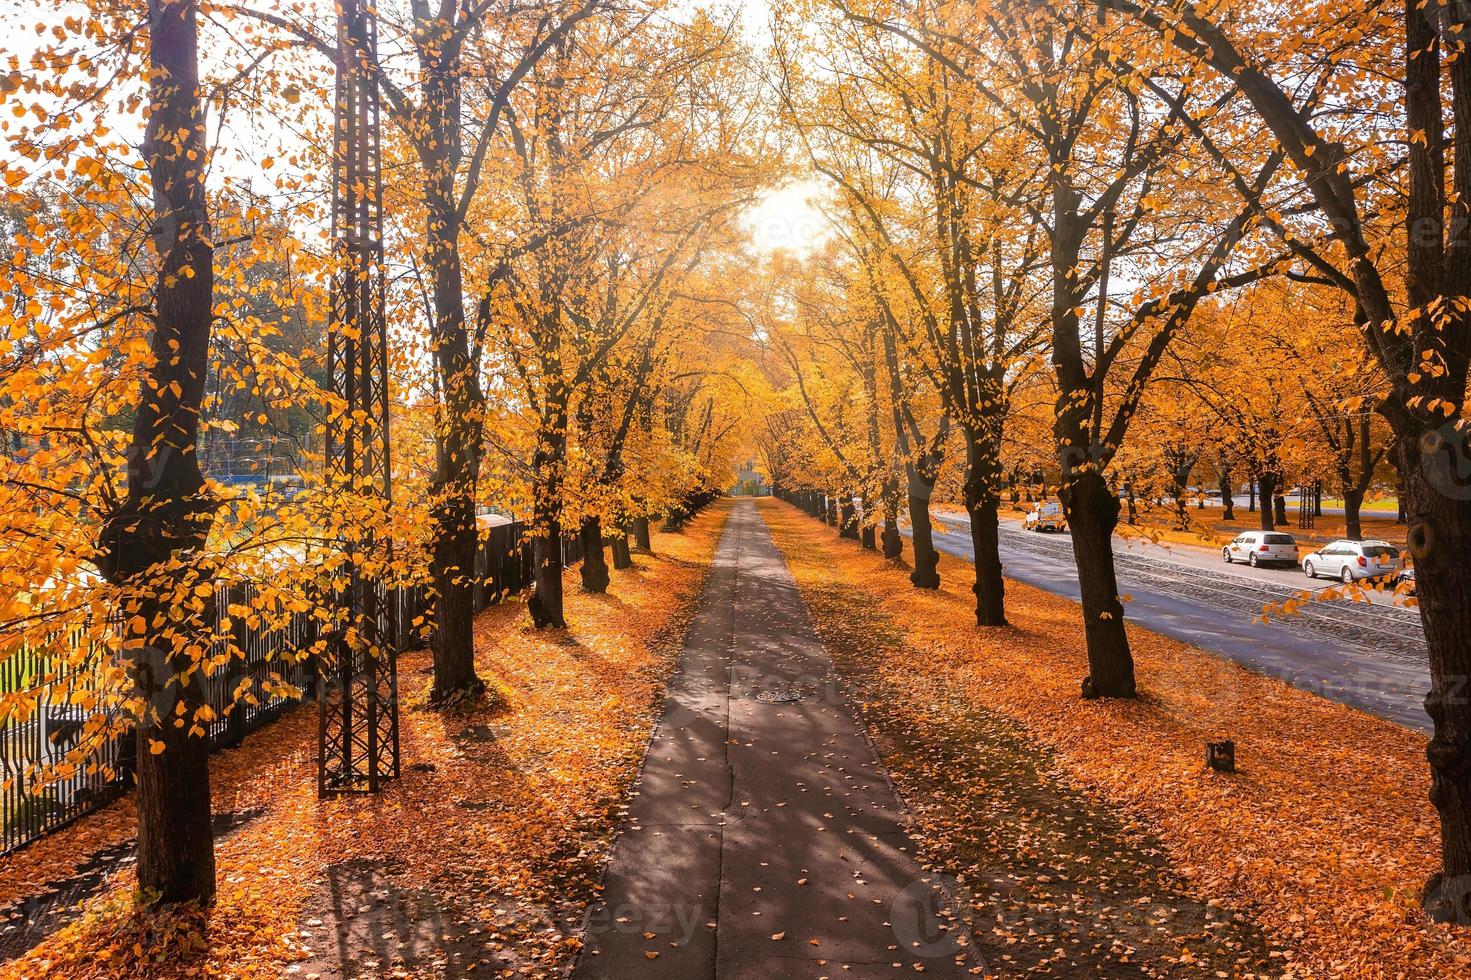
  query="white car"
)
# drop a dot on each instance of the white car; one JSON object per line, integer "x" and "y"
{"x": 1350, "y": 561}
{"x": 1046, "y": 516}
{"x": 1261, "y": 548}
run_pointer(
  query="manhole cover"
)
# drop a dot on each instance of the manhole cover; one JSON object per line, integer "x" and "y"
{"x": 782, "y": 697}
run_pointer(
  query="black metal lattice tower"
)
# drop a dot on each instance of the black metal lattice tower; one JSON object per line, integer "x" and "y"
{"x": 358, "y": 693}
{"x": 1305, "y": 505}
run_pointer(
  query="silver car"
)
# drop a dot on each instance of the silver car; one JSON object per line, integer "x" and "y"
{"x": 1350, "y": 561}
{"x": 1261, "y": 548}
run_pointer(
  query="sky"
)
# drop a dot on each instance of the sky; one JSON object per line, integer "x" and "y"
{"x": 785, "y": 219}
{"x": 788, "y": 219}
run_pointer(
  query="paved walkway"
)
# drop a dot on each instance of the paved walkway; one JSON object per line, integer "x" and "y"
{"x": 765, "y": 841}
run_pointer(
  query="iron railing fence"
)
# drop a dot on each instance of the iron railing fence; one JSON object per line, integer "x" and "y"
{"x": 503, "y": 568}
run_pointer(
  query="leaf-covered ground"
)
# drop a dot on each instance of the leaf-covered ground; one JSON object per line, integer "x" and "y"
{"x": 478, "y": 862}
{"x": 1321, "y": 840}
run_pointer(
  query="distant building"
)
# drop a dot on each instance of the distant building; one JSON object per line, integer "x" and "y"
{"x": 750, "y": 482}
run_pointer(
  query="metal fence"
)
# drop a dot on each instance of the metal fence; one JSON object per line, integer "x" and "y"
{"x": 502, "y": 568}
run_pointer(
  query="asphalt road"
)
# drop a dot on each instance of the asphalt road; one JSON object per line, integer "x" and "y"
{"x": 1369, "y": 655}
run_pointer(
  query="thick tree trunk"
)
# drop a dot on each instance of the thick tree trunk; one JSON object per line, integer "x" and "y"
{"x": 622, "y": 557}
{"x": 990, "y": 587}
{"x": 891, "y": 540}
{"x": 1228, "y": 502}
{"x": 1092, "y": 514}
{"x": 1438, "y": 499}
{"x": 1251, "y": 496}
{"x": 926, "y": 573}
{"x": 462, "y": 401}
{"x": 1401, "y": 497}
{"x": 869, "y": 536}
{"x": 176, "y": 861}
{"x": 1353, "y": 502}
{"x": 165, "y": 517}
{"x": 454, "y": 546}
{"x": 594, "y": 567}
{"x": 847, "y": 519}
{"x": 1279, "y": 506}
{"x": 641, "y": 538}
{"x": 982, "y": 502}
{"x": 545, "y": 604}
{"x": 1267, "y": 488}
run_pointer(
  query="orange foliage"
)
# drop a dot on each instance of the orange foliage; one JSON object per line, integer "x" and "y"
{"x": 1325, "y": 835}
{"x": 520, "y": 806}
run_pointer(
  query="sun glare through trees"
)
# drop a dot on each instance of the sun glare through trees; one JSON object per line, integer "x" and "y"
{"x": 791, "y": 489}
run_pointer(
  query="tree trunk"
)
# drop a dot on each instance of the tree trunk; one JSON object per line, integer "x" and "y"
{"x": 622, "y": 558}
{"x": 1183, "y": 466}
{"x": 176, "y": 861}
{"x": 990, "y": 587}
{"x": 1401, "y": 498}
{"x": 1438, "y": 499}
{"x": 1251, "y": 496}
{"x": 891, "y": 540}
{"x": 982, "y": 502}
{"x": 869, "y": 536}
{"x": 641, "y": 535}
{"x": 545, "y": 604}
{"x": 165, "y": 517}
{"x": 594, "y": 567}
{"x": 1228, "y": 502}
{"x": 1353, "y": 501}
{"x": 926, "y": 573}
{"x": 1092, "y": 514}
{"x": 1279, "y": 504}
{"x": 454, "y": 545}
{"x": 847, "y": 519}
{"x": 462, "y": 404}
{"x": 1267, "y": 488}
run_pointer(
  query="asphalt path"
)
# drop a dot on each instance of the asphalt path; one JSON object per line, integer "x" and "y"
{"x": 1368, "y": 655}
{"x": 765, "y": 841}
